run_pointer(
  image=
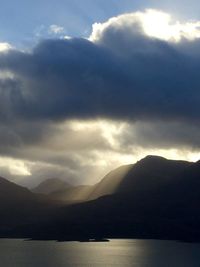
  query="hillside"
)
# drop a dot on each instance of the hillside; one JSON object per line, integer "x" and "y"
{"x": 50, "y": 186}
{"x": 146, "y": 204}
{"x": 19, "y": 206}
{"x": 154, "y": 198}
{"x": 146, "y": 175}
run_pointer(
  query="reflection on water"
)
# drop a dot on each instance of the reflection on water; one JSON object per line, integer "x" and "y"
{"x": 118, "y": 253}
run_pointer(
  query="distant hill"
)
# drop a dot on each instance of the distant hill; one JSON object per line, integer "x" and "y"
{"x": 145, "y": 176}
{"x": 51, "y": 186}
{"x": 12, "y": 193}
{"x": 111, "y": 183}
{"x": 19, "y": 206}
{"x": 107, "y": 186}
{"x": 153, "y": 198}
{"x": 150, "y": 174}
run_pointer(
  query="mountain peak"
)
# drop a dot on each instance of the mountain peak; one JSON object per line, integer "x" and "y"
{"x": 51, "y": 185}
{"x": 153, "y": 157}
{"x": 152, "y": 160}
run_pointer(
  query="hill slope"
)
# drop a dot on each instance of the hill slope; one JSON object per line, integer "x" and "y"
{"x": 145, "y": 204}
{"x": 19, "y": 206}
{"x": 51, "y": 186}
{"x": 146, "y": 175}
{"x": 154, "y": 198}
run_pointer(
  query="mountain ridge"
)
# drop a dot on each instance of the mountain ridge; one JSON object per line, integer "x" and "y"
{"x": 153, "y": 198}
{"x": 50, "y": 186}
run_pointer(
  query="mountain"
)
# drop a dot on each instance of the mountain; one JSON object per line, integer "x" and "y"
{"x": 14, "y": 201}
{"x": 111, "y": 183}
{"x": 108, "y": 185}
{"x": 11, "y": 193}
{"x": 153, "y": 198}
{"x": 50, "y": 186}
{"x": 145, "y": 176}
{"x": 19, "y": 206}
{"x": 151, "y": 174}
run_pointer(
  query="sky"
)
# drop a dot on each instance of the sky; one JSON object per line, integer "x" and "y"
{"x": 87, "y": 86}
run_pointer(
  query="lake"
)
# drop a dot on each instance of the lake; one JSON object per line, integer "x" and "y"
{"x": 118, "y": 253}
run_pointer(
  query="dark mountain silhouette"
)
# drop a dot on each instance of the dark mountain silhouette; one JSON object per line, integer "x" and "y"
{"x": 154, "y": 198}
{"x": 11, "y": 193}
{"x": 145, "y": 176}
{"x": 111, "y": 183}
{"x": 51, "y": 186}
{"x": 19, "y": 206}
{"x": 107, "y": 186}
{"x": 151, "y": 174}
{"x": 146, "y": 203}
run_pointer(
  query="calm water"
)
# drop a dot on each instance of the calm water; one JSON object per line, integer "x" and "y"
{"x": 118, "y": 253}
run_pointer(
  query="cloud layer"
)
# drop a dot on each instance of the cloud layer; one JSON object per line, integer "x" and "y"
{"x": 124, "y": 74}
{"x": 146, "y": 86}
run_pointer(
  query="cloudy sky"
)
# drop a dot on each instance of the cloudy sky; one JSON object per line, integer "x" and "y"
{"x": 86, "y": 86}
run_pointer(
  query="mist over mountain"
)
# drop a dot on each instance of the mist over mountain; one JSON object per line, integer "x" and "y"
{"x": 154, "y": 198}
{"x": 72, "y": 194}
{"x": 146, "y": 175}
{"x": 50, "y": 186}
{"x": 150, "y": 202}
{"x": 107, "y": 186}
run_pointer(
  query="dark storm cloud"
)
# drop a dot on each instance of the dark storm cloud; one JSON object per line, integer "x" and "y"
{"x": 61, "y": 79}
{"x": 126, "y": 75}
{"x": 123, "y": 75}
{"x": 160, "y": 134}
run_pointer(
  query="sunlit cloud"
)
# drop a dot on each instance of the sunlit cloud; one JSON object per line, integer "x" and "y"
{"x": 161, "y": 25}
{"x": 109, "y": 130}
{"x": 67, "y": 37}
{"x": 153, "y": 23}
{"x": 4, "y": 47}
{"x": 15, "y": 167}
{"x": 84, "y": 151}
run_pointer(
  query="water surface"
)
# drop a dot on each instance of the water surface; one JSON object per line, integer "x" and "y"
{"x": 118, "y": 253}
